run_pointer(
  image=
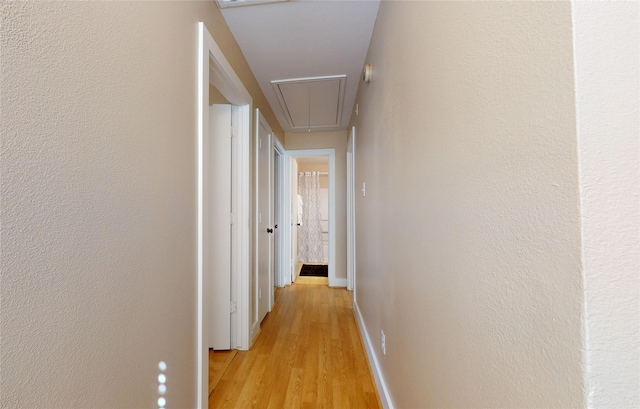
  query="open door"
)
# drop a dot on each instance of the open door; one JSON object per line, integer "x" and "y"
{"x": 218, "y": 225}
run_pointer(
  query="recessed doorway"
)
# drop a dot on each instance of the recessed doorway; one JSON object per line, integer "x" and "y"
{"x": 312, "y": 215}
{"x": 317, "y": 247}
{"x": 215, "y": 75}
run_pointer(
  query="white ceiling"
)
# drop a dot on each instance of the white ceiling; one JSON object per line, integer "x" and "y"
{"x": 302, "y": 39}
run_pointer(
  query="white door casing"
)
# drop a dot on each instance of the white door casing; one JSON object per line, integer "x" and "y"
{"x": 217, "y": 191}
{"x": 292, "y": 256}
{"x": 275, "y": 219}
{"x": 291, "y": 210}
{"x": 279, "y": 219}
{"x": 351, "y": 211}
{"x": 213, "y": 68}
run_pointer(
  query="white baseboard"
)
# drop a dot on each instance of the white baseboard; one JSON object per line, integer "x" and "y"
{"x": 338, "y": 282}
{"x": 383, "y": 392}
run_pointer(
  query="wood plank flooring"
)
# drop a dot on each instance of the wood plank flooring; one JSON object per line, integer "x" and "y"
{"x": 219, "y": 361}
{"x": 308, "y": 355}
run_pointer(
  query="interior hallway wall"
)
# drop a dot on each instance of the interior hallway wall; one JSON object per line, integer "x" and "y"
{"x": 99, "y": 199}
{"x": 469, "y": 234}
{"x": 216, "y": 97}
{"x": 338, "y": 141}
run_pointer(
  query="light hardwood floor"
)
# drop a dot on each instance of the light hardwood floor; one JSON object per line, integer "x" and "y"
{"x": 219, "y": 361}
{"x": 308, "y": 355}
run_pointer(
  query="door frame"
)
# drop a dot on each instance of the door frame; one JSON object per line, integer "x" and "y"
{"x": 279, "y": 214}
{"x": 292, "y": 255}
{"x": 351, "y": 211}
{"x": 289, "y": 263}
{"x": 213, "y": 68}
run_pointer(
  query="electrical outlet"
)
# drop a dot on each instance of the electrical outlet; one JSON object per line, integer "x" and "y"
{"x": 383, "y": 343}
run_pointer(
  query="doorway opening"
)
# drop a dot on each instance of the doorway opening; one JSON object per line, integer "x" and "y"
{"x": 312, "y": 205}
{"x": 298, "y": 247}
{"x": 223, "y": 200}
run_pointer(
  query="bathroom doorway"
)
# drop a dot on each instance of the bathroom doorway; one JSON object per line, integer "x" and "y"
{"x": 317, "y": 247}
{"x": 312, "y": 208}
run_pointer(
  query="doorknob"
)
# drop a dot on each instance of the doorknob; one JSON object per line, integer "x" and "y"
{"x": 269, "y": 230}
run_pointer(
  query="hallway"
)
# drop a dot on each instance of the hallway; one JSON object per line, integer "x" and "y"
{"x": 494, "y": 174}
{"x": 308, "y": 355}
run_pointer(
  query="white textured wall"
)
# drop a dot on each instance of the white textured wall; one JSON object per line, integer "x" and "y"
{"x": 99, "y": 200}
{"x": 607, "y": 97}
{"x": 469, "y": 235}
{"x": 338, "y": 141}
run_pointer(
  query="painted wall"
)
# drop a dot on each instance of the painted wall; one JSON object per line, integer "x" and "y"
{"x": 607, "y": 94}
{"x": 338, "y": 141}
{"x": 99, "y": 200}
{"x": 469, "y": 234}
{"x": 215, "y": 96}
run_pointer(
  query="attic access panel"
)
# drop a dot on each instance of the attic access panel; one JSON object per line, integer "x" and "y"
{"x": 310, "y": 103}
{"x": 238, "y": 3}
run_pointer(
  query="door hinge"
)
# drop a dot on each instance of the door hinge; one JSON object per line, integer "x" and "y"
{"x": 234, "y": 307}
{"x": 259, "y": 143}
{"x": 233, "y": 218}
{"x": 234, "y": 131}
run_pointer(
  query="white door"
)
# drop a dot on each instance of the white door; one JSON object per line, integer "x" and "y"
{"x": 277, "y": 220}
{"x": 264, "y": 286}
{"x": 218, "y": 225}
{"x": 295, "y": 221}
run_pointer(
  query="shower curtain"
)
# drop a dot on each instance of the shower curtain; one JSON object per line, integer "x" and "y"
{"x": 310, "y": 231}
